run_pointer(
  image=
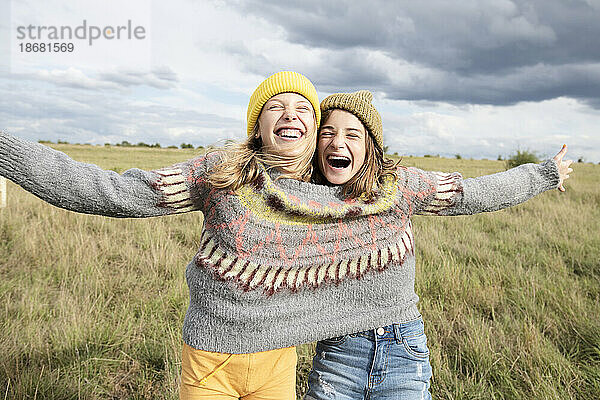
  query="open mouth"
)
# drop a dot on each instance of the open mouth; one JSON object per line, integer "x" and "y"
{"x": 288, "y": 133}
{"x": 338, "y": 161}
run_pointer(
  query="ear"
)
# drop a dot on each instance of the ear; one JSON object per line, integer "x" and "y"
{"x": 256, "y": 130}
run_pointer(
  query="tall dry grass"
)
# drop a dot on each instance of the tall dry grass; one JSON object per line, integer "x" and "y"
{"x": 92, "y": 307}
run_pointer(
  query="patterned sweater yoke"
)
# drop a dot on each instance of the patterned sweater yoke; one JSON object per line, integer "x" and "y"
{"x": 280, "y": 262}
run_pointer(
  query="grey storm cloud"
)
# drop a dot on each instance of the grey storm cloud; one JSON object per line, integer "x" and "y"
{"x": 118, "y": 79}
{"x": 487, "y": 51}
{"x": 93, "y": 116}
{"x": 161, "y": 78}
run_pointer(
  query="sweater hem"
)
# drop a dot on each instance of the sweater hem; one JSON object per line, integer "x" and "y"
{"x": 204, "y": 338}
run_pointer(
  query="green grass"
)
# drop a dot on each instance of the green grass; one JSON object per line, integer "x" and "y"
{"x": 92, "y": 307}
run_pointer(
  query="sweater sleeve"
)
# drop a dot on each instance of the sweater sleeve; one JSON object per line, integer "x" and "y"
{"x": 86, "y": 188}
{"x": 450, "y": 194}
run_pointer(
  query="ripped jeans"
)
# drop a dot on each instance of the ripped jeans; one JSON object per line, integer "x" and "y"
{"x": 391, "y": 362}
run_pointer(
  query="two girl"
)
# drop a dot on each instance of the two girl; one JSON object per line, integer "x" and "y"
{"x": 281, "y": 261}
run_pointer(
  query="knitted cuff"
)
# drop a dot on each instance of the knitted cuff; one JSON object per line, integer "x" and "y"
{"x": 549, "y": 170}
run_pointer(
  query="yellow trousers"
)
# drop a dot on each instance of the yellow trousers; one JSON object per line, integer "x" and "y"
{"x": 268, "y": 375}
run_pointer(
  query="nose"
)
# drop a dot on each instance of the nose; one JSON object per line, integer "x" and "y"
{"x": 338, "y": 142}
{"x": 290, "y": 115}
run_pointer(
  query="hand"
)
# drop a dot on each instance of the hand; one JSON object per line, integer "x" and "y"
{"x": 563, "y": 167}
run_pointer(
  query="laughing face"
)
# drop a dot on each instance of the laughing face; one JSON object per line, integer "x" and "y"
{"x": 287, "y": 124}
{"x": 341, "y": 146}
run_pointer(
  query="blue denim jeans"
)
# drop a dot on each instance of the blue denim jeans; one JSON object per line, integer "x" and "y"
{"x": 391, "y": 362}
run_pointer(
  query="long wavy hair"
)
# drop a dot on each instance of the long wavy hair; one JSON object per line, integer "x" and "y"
{"x": 375, "y": 169}
{"x": 240, "y": 161}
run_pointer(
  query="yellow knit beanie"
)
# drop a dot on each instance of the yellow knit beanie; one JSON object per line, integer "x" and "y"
{"x": 281, "y": 82}
{"x": 359, "y": 104}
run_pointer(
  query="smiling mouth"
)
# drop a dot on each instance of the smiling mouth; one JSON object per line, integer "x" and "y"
{"x": 289, "y": 133}
{"x": 338, "y": 162}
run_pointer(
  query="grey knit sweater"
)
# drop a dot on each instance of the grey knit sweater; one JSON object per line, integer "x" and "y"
{"x": 281, "y": 262}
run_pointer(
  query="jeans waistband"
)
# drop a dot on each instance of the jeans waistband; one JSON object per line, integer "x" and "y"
{"x": 393, "y": 331}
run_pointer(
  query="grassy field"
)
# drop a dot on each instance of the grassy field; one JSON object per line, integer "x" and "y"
{"x": 92, "y": 307}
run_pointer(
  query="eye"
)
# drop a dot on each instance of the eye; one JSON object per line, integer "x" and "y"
{"x": 275, "y": 106}
{"x": 354, "y": 135}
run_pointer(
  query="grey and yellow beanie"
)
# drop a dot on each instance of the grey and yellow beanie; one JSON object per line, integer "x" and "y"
{"x": 359, "y": 104}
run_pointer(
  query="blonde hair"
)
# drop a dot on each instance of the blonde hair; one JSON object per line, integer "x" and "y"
{"x": 374, "y": 170}
{"x": 240, "y": 162}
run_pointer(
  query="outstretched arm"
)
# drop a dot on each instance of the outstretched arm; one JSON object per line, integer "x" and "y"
{"x": 452, "y": 195}
{"x": 56, "y": 178}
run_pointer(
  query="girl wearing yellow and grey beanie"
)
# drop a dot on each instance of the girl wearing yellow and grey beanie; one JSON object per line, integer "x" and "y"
{"x": 349, "y": 153}
{"x": 365, "y": 176}
{"x": 360, "y": 104}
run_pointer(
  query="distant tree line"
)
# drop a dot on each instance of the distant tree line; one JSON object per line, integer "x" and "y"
{"x": 125, "y": 143}
{"x": 520, "y": 157}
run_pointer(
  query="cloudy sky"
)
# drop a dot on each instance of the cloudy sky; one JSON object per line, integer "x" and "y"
{"x": 476, "y": 78}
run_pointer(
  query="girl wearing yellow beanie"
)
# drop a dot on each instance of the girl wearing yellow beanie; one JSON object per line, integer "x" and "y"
{"x": 229, "y": 334}
{"x": 282, "y": 121}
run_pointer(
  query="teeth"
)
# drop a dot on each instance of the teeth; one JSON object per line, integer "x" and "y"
{"x": 338, "y": 158}
{"x": 338, "y": 161}
{"x": 289, "y": 133}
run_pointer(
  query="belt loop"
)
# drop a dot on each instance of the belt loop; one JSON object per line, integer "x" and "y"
{"x": 397, "y": 333}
